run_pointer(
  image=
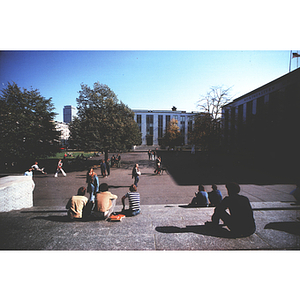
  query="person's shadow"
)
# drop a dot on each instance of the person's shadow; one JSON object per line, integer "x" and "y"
{"x": 218, "y": 231}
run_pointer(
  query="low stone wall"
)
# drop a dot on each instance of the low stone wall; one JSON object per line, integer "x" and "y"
{"x": 16, "y": 192}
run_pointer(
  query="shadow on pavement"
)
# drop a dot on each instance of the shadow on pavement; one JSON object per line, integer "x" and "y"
{"x": 198, "y": 229}
{"x": 208, "y": 168}
{"x": 63, "y": 219}
{"x": 288, "y": 227}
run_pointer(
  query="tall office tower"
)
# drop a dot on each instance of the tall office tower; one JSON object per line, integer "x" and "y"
{"x": 69, "y": 113}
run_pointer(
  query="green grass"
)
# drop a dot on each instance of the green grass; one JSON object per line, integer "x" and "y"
{"x": 60, "y": 155}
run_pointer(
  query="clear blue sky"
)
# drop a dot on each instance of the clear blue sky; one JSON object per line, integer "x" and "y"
{"x": 142, "y": 79}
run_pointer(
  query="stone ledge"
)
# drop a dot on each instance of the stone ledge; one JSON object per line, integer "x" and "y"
{"x": 16, "y": 193}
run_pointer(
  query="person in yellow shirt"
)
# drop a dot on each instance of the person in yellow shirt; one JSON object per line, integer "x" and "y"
{"x": 76, "y": 204}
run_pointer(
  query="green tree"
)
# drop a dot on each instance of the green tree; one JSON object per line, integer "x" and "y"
{"x": 172, "y": 135}
{"x": 26, "y": 122}
{"x": 206, "y": 132}
{"x": 103, "y": 122}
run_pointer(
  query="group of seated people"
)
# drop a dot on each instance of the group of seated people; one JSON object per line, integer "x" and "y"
{"x": 102, "y": 205}
{"x": 202, "y": 198}
{"x": 234, "y": 210}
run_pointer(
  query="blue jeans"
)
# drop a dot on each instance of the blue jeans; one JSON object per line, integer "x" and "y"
{"x": 136, "y": 180}
{"x": 92, "y": 195}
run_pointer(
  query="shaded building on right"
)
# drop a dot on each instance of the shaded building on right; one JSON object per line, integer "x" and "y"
{"x": 265, "y": 123}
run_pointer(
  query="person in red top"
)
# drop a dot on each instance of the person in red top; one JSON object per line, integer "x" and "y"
{"x": 60, "y": 169}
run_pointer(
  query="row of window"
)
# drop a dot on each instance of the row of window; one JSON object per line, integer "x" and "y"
{"x": 149, "y": 123}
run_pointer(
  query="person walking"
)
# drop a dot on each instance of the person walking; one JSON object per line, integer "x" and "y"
{"x": 103, "y": 168}
{"x": 136, "y": 173}
{"x": 92, "y": 184}
{"x": 60, "y": 169}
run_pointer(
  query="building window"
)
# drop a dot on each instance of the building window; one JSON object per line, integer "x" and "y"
{"x": 249, "y": 110}
{"x": 139, "y": 121}
{"x": 160, "y": 126}
{"x": 182, "y": 125}
{"x": 240, "y": 115}
{"x": 149, "y": 129}
{"x": 168, "y": 118}
{"x": 260, "y": 104}
{"x": 175, "y": 117}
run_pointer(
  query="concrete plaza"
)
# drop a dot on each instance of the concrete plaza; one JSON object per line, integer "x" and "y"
{"x": 164, "y": 224}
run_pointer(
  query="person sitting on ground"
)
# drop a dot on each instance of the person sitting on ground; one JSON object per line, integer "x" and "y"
{"x": 201, "y": 197}
{"x": 240, "y": 220}
{"x": 134, "y": 202}
{"x": 105, "y": 203}
{"x": 215, "y": 196}
{"x": 76, "y": 204}
{"x": 28, "y": 172}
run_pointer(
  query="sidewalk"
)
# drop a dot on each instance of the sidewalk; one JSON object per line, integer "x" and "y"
{"x": 164, "y": 224}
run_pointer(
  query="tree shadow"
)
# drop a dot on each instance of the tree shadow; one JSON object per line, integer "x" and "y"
{"x": 288, "y": 227}
{"x": 198, "y": 229}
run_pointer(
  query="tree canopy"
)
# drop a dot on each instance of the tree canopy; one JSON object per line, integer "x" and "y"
{"x": 103, "y": 122}
{"x": 214, "y": 100}
{"x": 172, "y": 135}
{"x": 206, "y": 132}
{"x": 26, "y": 122}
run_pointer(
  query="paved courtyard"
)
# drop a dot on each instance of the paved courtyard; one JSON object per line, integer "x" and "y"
{"x": 164, "y": 224}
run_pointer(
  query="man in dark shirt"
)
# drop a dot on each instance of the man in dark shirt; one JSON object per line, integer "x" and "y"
{"x": 240, "y": 219}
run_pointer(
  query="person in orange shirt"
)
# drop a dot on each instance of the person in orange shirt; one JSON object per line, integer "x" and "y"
{"x": 105, "y": 203}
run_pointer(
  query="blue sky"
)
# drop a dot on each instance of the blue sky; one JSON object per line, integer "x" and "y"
{"x": 142, "y": 79}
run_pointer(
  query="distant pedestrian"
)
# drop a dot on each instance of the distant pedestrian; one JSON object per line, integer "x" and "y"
{"x": 296, "y": 192}
{"x": 215, "y": 196}
{"x": 108, "y": 164}
{"x": 134, "y": 202}
{"x": 193, "y": 149}
{"x": 239, "y": 220}
{"x": 103, "y": 168}
{"x": 201, "y": 197}
{"x": 60, "y": 169}
{"x": 149, "y": 154}
{"x": 136, "y": 173}
{"x": 119, "y": 161}
{"x": 36, "y": 167}
{"x": 77, "y": 204}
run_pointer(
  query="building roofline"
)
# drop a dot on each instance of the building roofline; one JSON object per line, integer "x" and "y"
{"x": 292, "y": 73}
{"x": 164, "y": 111}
